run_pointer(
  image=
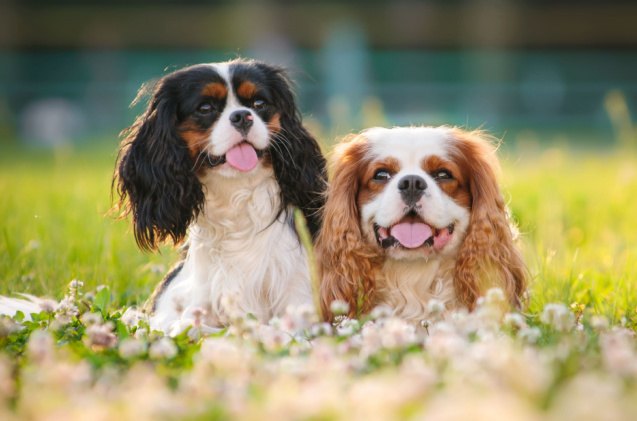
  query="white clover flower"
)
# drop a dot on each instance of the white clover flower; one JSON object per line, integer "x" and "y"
{"x": 371, "y": 341}
{"x": 321, "y": 329}
{"x": 47, "y": 305}
{"x": 132, "y": 316}
{"x": 230, "y": 305}
{"x": 618, "y": 352}
{"x": 76, "y": 284}
{"x": 529, "y": 334}
{"x": 444, "y": 344}
{"x": 163, "y": 348}
{"x": 277, "y": 323}
{"x": 101, "y": 335}
{"x": 272, "y": 339}
{"x": 67, "y": 307}
{"x": 495, "y": 296}
{"x": 299, "y": 317}
{"x": 514, "y": 321}
{"x": 435, "y": 307}
{"x": 131, "y": 348}
{"x": 397, "y": 333}
{"x": 7, "y": 383}
{"x": 224, "y": 355}
{"x": 347, "y": 327}
{"x": 339, "y": 307}
{"x": 8, "y": 326}
{"x": 141, "y": 333}
{"x": 91, "y": 318}
{"x": 558, "y": 316}
{"x": 599, "y": 323}
{"x": 198, "y": 315}
{"x": 41, "y": 346}
{"x": 381, "y": 312}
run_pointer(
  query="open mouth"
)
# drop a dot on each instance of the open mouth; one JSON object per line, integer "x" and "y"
{"x": 412, "y": 232}
{"x": 243, "y": 157}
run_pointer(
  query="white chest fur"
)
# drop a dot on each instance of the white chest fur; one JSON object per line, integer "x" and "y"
{"x": 242, "y": 257}
{"x": 407, "y": 286}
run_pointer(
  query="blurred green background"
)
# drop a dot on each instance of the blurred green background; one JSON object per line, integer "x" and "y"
{"x": 557, "y": 80}
{"x": 69, "y": 68}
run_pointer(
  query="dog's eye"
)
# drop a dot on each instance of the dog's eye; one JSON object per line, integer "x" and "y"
{"x": 382, "y": 175}
{"x": 205, "y": 108}
{"x": 258, "y": 104}
{"x": 442, "y": 175}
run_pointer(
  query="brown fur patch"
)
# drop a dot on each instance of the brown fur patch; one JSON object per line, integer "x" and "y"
{"x": 216, "y": 90}
{"x": 194, "y": 137}
{"x": 371, "y": 188}
{"x": 246, "y": 89}
{"x": 274, "y": 125}
{"x": 348, "y": 263}
{"x": 456, "y": 188}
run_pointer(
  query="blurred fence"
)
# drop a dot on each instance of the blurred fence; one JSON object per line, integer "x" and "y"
{"x": 52, "y": 96}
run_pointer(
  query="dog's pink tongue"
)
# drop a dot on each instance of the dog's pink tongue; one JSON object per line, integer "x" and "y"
{"x": 411, "y": 235}
{"x": 242, "y": 157}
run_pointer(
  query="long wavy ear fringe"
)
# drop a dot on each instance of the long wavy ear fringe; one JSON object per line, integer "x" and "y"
{"x": 154, "y": 177}
{"x": 297, "y": 160}
{"x": 488, "y": 256}
{"x": 347, "y": 263}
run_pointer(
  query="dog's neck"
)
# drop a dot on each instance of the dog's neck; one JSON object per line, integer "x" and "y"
{"x": 408, "y": 285}
{"x": 237, "y": 206}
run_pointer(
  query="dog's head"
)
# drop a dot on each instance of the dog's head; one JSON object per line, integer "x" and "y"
{"x": 229, "y": 119}
{"x": 416, "y": 193}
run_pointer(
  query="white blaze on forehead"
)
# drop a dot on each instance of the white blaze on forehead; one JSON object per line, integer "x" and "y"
{"x": 408, "y": 144}
{"x": 224, "y": 136}
{"x": 223, "y": 69}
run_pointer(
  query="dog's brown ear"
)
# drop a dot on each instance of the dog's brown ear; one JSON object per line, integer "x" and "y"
{"x": 347, "y": 263}
{"x": 488, "y": 256}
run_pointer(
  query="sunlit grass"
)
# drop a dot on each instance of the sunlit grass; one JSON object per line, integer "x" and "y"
{"x": 576, "y": 211}
{"x": 56, "y": 226}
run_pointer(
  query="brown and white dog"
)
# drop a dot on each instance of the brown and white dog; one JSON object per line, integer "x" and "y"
{"x": 415, "y": 213}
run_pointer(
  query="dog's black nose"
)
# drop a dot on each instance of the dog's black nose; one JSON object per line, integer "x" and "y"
{"x": 411, "y": 188}
{"x": 241, "y": 120}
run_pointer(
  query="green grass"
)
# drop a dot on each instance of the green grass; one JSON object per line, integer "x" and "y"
{"x": 56, "y": 226}
{"x": 576, "y": 211}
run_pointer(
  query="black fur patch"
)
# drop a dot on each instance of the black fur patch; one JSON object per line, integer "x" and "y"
{"x": 151, "y": 304}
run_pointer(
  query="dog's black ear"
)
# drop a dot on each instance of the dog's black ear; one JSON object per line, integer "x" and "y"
{"x": 154, "y": 177}
{"x": 299, "y": 165}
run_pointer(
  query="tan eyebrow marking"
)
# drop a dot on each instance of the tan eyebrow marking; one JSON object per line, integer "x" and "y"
{"x": 216, "y": 90}
{"x": 247, "y": 89}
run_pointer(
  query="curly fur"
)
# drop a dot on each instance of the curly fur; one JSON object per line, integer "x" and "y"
{"x": 488, "y": 256}
{"x": 347, "y": 263}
